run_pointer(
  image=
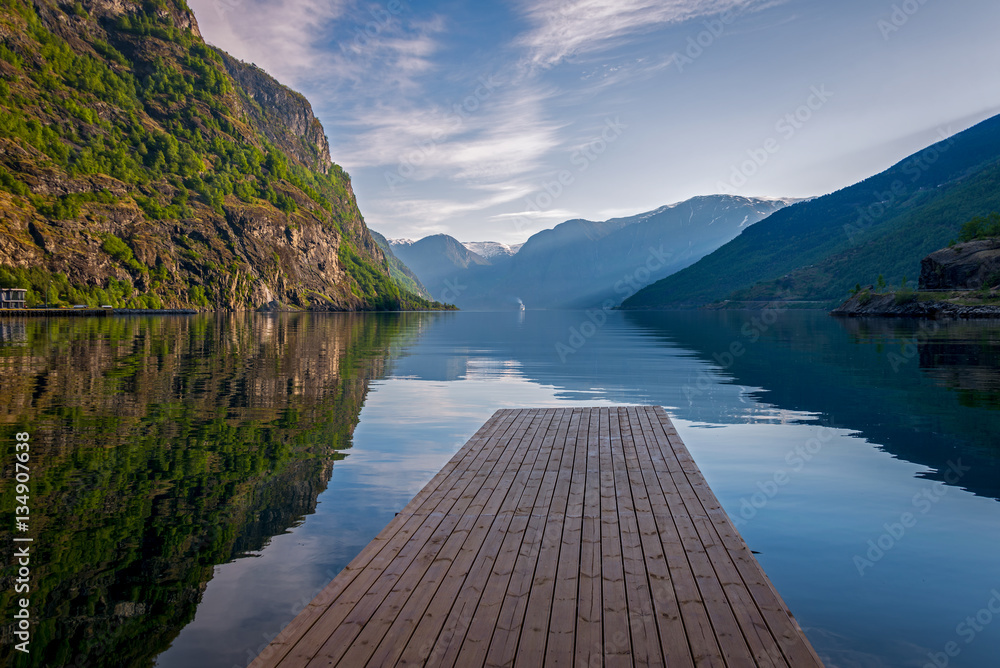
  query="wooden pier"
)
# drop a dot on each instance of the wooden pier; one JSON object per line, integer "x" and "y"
{"x": 554, "y": 537}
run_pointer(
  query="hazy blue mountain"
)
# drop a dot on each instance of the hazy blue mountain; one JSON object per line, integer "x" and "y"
{"x": 437, "y": 260}
{"x": 818, "y": 250}
{"x": 582, "y": 263}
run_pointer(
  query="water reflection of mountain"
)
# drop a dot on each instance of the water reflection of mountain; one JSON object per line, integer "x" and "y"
{"x": 901, "y": 386}
{"x": 966, "y": 363}
{"x": 928, "y": 409}
{"x": 614, "y": 361}
{"x": 162, "y": 447}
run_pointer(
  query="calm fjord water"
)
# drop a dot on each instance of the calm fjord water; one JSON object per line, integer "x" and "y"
{"x": 196, "y": 481}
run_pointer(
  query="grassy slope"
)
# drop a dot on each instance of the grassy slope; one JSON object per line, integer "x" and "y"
{"x": 400, "y": 273}
{"x": 884, "y": 224}
{"x": 894, "y": 251}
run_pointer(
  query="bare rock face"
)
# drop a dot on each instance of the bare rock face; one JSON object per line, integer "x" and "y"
{"x": 182, "y": 16}
{"x": 285, "y": 116}
{"x": 966, "y": 266}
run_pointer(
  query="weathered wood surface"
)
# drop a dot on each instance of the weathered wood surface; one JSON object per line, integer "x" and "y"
{"x": 556, "y": 537}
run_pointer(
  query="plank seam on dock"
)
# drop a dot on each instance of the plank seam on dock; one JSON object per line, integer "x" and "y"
{"x": 668, "y": 522}
{"x": 504, "y": 519}
{"x": 444, "y": 577}
{"x": 554, "y": 536}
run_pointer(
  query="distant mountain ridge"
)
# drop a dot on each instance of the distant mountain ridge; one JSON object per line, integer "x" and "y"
{"x": 581, "y": 263}
{"x": 817, "y": 250}
{"x": 436, "y": 260}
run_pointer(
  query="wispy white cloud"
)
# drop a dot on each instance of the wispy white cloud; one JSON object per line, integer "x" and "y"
{"x": 328, "y": 46}
{"x": 386, "y": 61}
{"x": 397, "y": 103}
{"x": 565, "y": 28}
{"x": 278, "y": 35}
{"x": 504, "y": 137}
{"x": 547, "y": 215}
{"x": 429, "y": 211}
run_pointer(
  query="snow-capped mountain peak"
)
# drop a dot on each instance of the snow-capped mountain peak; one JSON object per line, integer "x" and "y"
{"x": 490, "y": 249}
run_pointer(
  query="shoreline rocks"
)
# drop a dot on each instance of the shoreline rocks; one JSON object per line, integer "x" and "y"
{"x": 885, "y": 306}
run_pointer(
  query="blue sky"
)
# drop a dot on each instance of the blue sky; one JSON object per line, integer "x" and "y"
{"x": 493, "y": 120}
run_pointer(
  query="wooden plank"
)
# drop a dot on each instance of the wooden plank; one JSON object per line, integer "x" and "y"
{"x": 554, "y": 537}
{"x": 617, "y": 648}
{"x": 439, "y": 634}
{"x": 385, "y": 540}
{"x": 589, "y": 632}
{"x": 504, "y": 644}
{"x": 484, "y": 620}
{"x": 645, "y": 643}
{"x": 560, "y": 643}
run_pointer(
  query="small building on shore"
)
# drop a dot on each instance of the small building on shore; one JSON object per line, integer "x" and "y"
{"x": 13, "y": 298}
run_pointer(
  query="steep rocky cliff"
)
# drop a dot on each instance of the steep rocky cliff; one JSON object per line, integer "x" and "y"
{"x": 965, "y": 266}
{"x": 141, "y": 167}
{"x": 285, "y": 116}
{"x": 963, "y": 282}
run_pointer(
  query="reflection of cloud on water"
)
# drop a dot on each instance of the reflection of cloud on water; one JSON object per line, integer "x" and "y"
{"x": 485, "y": 368}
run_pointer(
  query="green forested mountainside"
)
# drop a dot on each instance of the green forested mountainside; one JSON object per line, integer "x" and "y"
{"x": 141, "y": 167}
{"x": 981, "y": 227}
{"x": 399, "y": 271}
{"x": 818, "y": 250}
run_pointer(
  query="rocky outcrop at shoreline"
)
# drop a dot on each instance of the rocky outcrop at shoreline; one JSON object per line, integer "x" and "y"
{"x": 865, "y": 304}
{"x": 965, "y": 266}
